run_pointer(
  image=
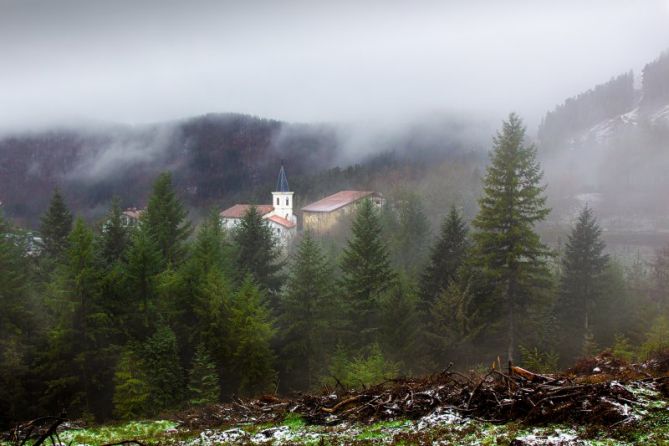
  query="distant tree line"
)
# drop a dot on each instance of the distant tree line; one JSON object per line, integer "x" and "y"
{"x": 117, "y": 322}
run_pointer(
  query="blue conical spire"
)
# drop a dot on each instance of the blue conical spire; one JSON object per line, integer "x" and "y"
{"x": 282, "y": 181}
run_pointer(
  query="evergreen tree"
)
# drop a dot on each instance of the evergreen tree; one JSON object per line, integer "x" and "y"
{"x": 400, "y": 326}
{"x": 18, "y": 319}
{"x": 56, "y": 226}
{"x": 507, "y": 249}
{"x": 307, "y": 316}
{"x": 257, "y": 252}
{"x": 581, "y": 285}
{"x": 366, "y": 274}
{"x": 251, "y": 334}
{"x": 212, "y": 310}
{"x": 144, "y": 263}
{"x": 212, "y": 249}
{"x": 163, "y": 370}
{"x": 196, "y": 294}
{"x": 131, "y": 388}
{"x": 114, "y": 237}
{"x": 412, "y": 235}
{"x": 446, "y": 257}
{"x": 79, "y": 353}
{"x": 454, "y": 321}
{"x": 165, "y": 220}
{"x": 203, "y": 383}
{"x": 13, "y": 284}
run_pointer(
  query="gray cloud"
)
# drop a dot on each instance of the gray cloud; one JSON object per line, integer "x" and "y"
{"x": 147, "y": 61}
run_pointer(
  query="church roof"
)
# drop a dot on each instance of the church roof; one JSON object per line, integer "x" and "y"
{"x": 282, "y": 182}
{"x": 338, "y": 200}
{"x": 239, "y": 210}
{"x": 281, "y": 221}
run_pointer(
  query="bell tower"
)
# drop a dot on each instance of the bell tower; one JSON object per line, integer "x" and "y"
{"x": 282, "y": 198}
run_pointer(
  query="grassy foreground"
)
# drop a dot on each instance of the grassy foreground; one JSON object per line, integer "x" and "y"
{"x": 650, "y": 428}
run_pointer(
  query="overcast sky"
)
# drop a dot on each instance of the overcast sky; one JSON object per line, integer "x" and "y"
{"x": 145, "y": 61}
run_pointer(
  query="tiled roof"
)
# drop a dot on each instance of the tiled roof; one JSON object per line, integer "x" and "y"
{"x": 282, "y": 221}
{"x": 239, "y": 210}
{"x": 133, "y": 213}
{"x": 336, "y": 201}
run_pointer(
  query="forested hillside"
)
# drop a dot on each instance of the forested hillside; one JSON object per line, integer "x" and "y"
{"x": 111, "y": 322}
{"x": 215, "y": 160}
{"x": 609, "y": 147}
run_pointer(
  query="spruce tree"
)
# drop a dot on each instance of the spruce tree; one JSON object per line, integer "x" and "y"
{"x": 453, "y": 322}
{"x": 144, "y": 263}
{"x": 186, "y": 292}
{"x": 163, "y": 370}
{"x": 203, "y": 383}
{"x": 56, "y": 226}
{"x": 366, "y": 274}
{"x": 166, "y": 221}
{"x": 446, "y": 257}
{"x": 507, "y": 249}
{"x": 131, "y": 387}
{"x": 251, "y": 332}
{"x": 114, "y": 237}
{"x": 308, "y": 312}
{"x": 18, "y": 325}
{"x": 79, "y": 356}
{"x": 581, "y": 284}
{"x": 412, "y": 235}
{"x": 257, "y": 252}
{"x": 400, "y": 325}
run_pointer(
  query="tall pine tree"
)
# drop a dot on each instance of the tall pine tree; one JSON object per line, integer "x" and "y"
{"x": 114, "y": 237}
{"x": 164, "y": 374}
{"x": 18, "y": 325}
{"x": 366, "y": 274}
{"x": 56, "y": 226}
{"x": 257, "y": 252}
{"x": 412, "y": 235}
{"x": 166, "y": 221}
{"x": 308, "y": 313}
{"x": 80, "y": 356}
{"x": 144, "y": 263}
{"x": 507, "y": 249}
{"x": 446, "y": 257}
{"x": 581, "y": 285}
{"x": 251, "y": 332}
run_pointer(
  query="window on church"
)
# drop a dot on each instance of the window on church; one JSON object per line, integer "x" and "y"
{"x": 277, "y": 201}
{"x": 286, "y": 201}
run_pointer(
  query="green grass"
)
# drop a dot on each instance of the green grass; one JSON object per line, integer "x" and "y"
{"x": 151, "y": 432}
{"x": 294, "y": 421}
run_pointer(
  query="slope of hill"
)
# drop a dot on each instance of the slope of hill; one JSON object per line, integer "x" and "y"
{"x": 216, "y": 160}
{"x": 610, "y": 147}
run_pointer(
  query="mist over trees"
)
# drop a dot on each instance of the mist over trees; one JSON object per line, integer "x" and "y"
{"x": 125, "y": 322}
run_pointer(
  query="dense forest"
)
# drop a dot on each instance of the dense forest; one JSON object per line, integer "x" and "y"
{"x": 123, "y": 322}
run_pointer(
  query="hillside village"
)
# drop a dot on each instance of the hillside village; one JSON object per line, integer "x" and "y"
{"x": 318, "y": 217}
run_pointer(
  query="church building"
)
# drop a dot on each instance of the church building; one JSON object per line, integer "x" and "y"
{"x": 279, "y": 215}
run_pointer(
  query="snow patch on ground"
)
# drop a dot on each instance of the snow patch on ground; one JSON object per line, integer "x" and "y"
{"x": 557, "y": 438}
{"x": 440, "y": 417}
{"x": 660, "y": 115}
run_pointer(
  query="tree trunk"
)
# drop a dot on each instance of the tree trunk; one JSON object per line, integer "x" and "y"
{"x": 510, "y": 298}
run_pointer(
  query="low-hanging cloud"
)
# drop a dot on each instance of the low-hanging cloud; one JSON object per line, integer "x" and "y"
{"x": 148, "y": 61}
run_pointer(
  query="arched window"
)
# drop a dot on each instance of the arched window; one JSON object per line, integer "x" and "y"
{"x": 287, "y": 201}
{"x": 277, "y": 201}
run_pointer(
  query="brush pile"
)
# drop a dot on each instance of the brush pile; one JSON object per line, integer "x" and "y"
{"x": 597, "y": 397}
